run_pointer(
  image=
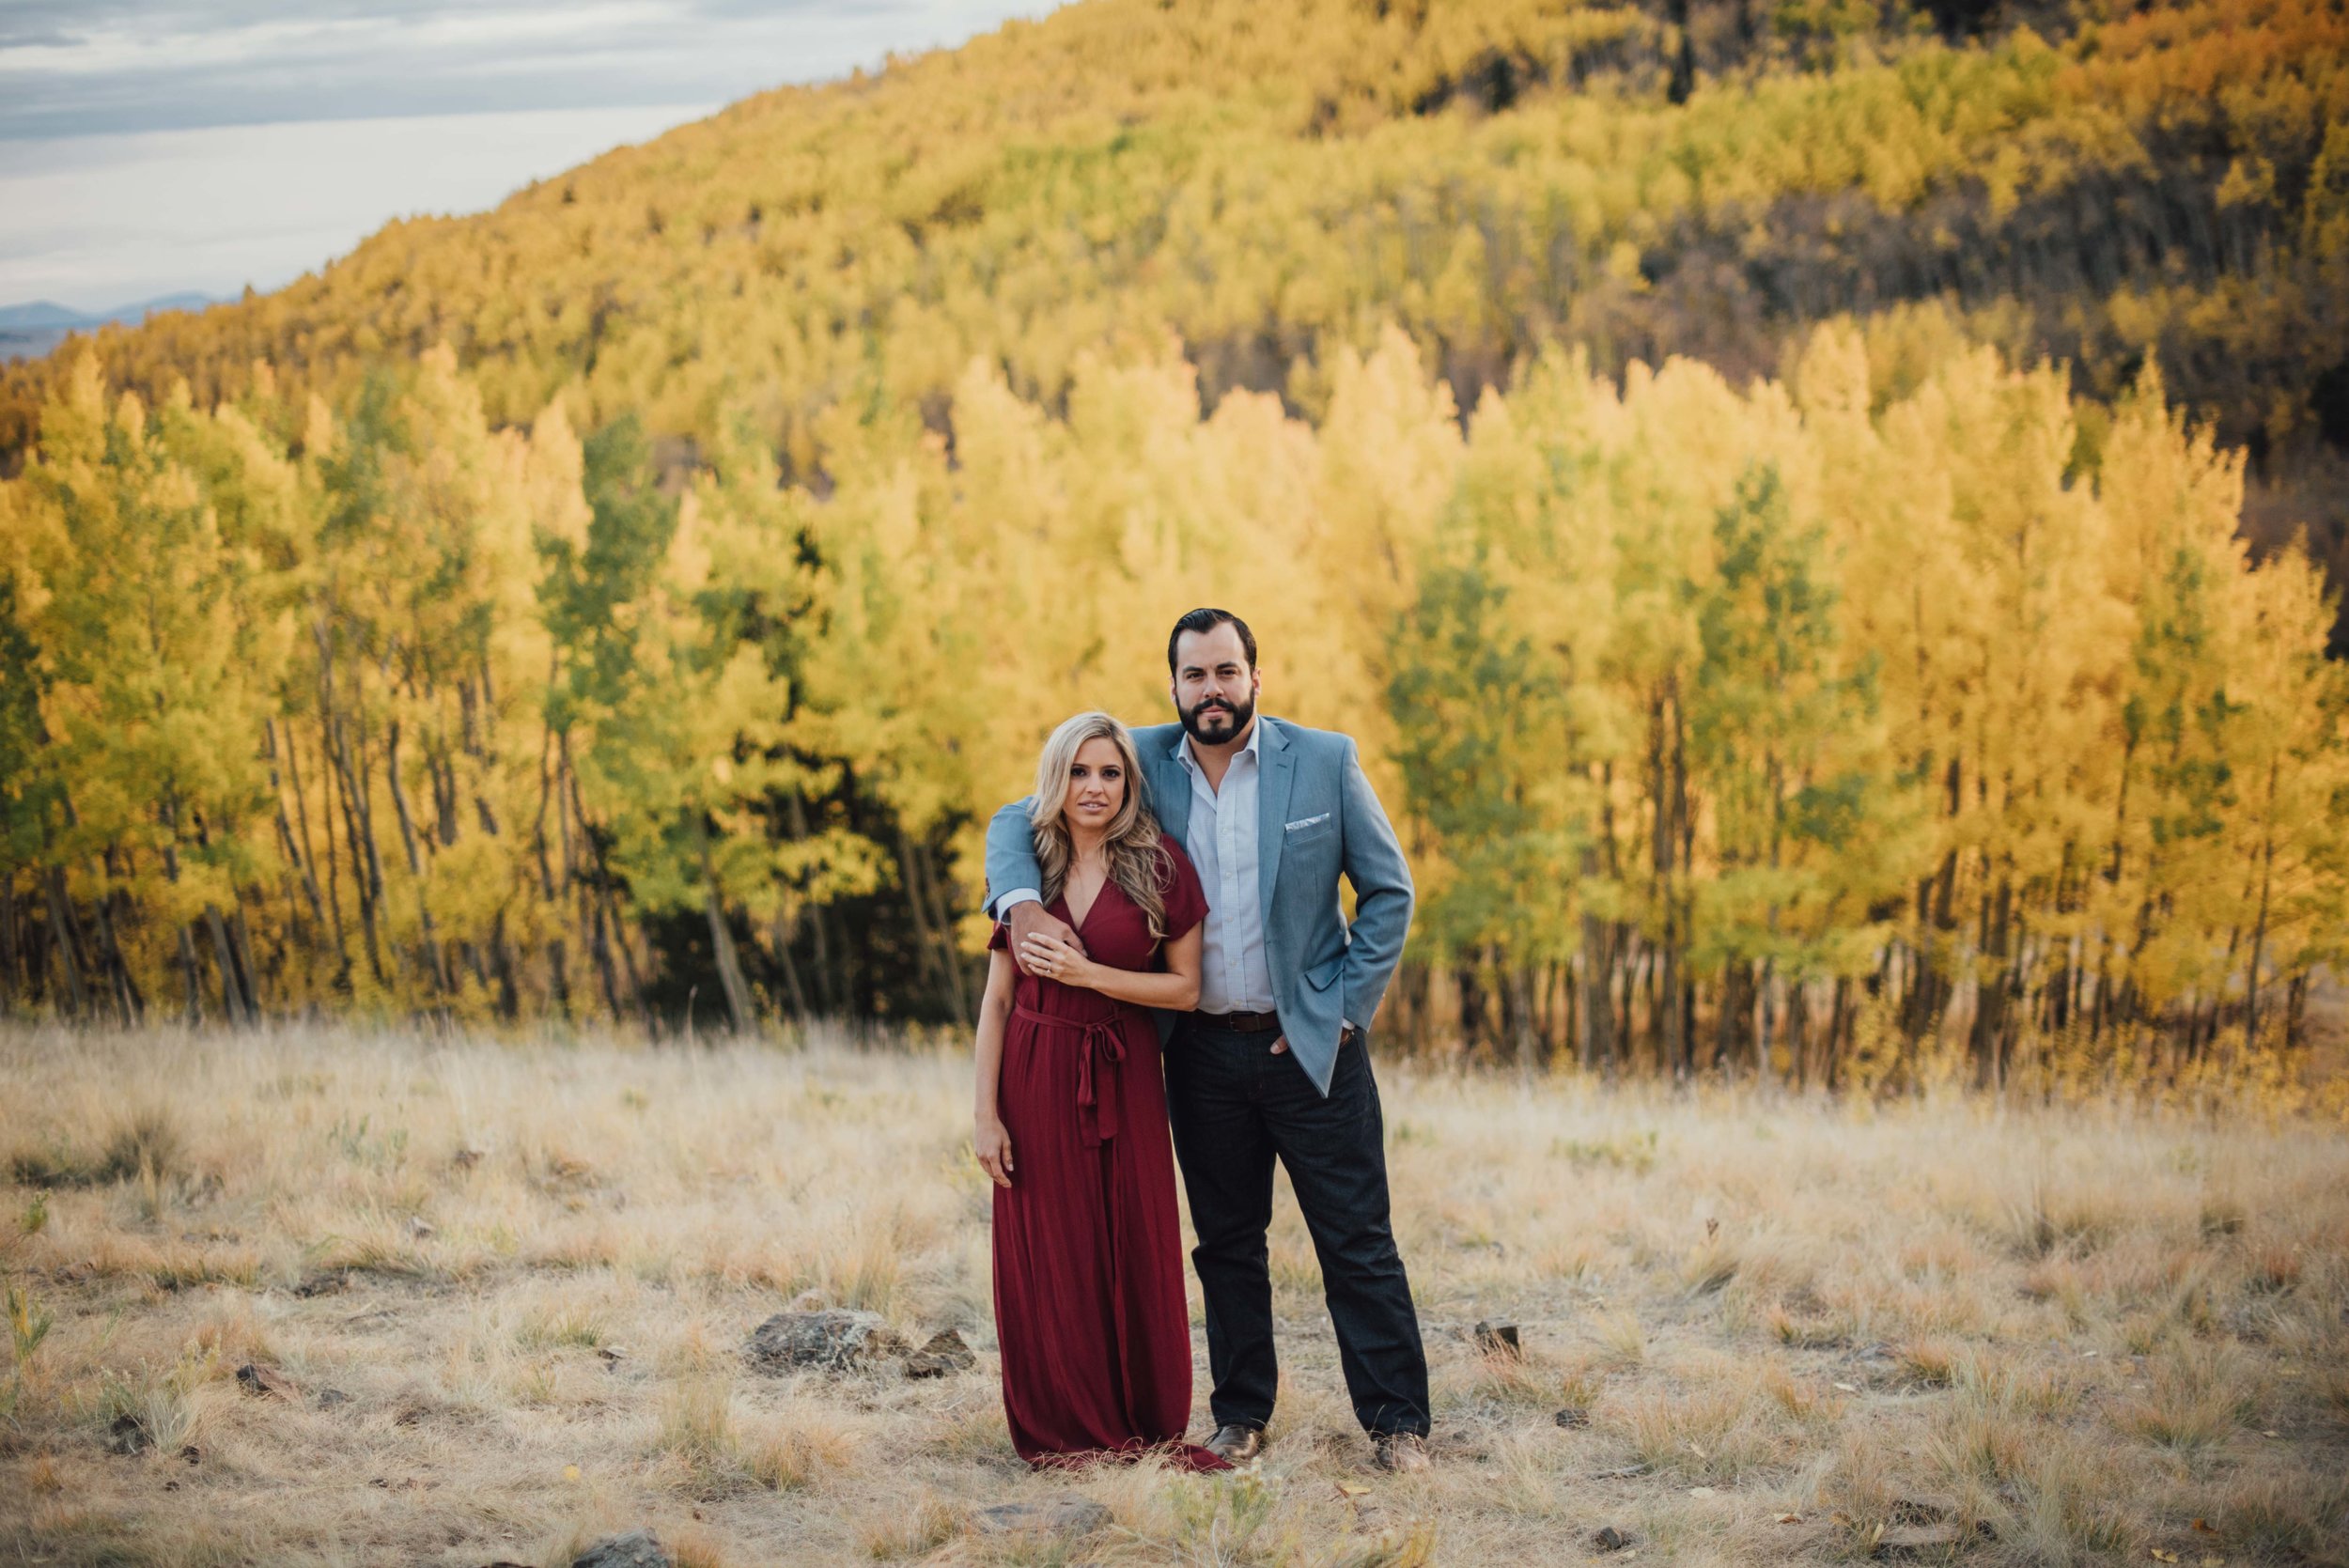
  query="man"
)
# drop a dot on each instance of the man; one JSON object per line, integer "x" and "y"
{"x": 1274, "y": 1063}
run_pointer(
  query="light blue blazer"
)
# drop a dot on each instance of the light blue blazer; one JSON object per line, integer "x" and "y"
{"x": 1317, "y": 819}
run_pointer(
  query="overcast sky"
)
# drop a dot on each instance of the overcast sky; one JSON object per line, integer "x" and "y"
{"x": 152, "y": 146}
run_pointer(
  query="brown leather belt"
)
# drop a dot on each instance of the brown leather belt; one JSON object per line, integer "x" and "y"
{"x": 1242, "y": 1023}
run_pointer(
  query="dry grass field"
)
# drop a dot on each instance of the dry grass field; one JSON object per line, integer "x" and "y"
{"x": 497, "y": 1296}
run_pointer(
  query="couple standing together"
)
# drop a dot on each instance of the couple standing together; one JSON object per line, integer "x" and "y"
{"x": 1170, "y": 952}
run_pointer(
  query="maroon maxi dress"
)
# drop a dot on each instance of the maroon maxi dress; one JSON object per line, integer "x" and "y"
{"x": 1089, "y": 1307}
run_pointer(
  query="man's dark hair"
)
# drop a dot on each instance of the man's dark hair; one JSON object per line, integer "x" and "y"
{"x": 1205, "y": 621}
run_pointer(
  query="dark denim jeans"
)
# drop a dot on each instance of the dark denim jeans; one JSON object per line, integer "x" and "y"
{"x": 1235, "y": 1107}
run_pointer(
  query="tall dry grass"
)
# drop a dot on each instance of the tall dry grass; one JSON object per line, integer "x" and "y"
{"x": 497, "y": 1294}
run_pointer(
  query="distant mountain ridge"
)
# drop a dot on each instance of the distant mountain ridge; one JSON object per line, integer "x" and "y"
{"x": 30, "y": 330}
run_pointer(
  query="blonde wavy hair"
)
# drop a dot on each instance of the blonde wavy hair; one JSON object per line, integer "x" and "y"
{"x": 1135, "y": 849}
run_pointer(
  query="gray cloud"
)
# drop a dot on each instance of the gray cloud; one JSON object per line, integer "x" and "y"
{"x": 84, "y": 66}
{"x": 152, "y": 146}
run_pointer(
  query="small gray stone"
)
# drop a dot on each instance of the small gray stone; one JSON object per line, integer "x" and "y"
{"x": 638, "y": 1549}
{"x": 1063, "y": 1516}
{"x": 1499, "y": 1338}
{"x": 835, "y": 1340}
{"x": 1609, "y": 1538}
{"x": 329, "y": 1398}
{"x": 943, "y": 1355}
{"x": 1923, "y": 1508}
{"x": 263, "y": 1382}
{"x": 1918, "y": 1541}
{"x": 1572, "y": 1417}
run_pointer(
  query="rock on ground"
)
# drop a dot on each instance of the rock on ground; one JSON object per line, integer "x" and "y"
{"x": 835, "y": 1339}
{"x": 1928, "y": 1540}
{"x": 1499, "y": 1338}
{"x": 945, "y": 1354}
{"x": 638, "y": 1549}
{"x": 1923, "y": 1508}
{"x": 1067, "y": 1517}
{"x": 1918, "y": 1541}
{"x": 264, "y": 1381}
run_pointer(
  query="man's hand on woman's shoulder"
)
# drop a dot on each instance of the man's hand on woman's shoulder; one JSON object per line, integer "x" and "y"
{"x": 1030, "y": 918}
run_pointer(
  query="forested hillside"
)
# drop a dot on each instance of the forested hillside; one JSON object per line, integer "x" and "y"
{"x": 1271, "y": 183}
{"x": 1768, "y": 485}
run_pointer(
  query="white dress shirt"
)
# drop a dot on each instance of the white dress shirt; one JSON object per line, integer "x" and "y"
{"x": 1234, "y": 976}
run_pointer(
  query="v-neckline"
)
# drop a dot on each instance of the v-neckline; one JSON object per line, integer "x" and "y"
{"x": 1076, "y": 921}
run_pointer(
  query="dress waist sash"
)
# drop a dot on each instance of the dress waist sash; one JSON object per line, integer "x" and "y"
{"x": 1099, "y": 1055}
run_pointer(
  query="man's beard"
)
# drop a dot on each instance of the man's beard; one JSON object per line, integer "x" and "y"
{"x": 1240, "y": 713}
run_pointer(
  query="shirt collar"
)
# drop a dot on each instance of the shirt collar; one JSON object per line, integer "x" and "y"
{"x": 1254, "y": 749}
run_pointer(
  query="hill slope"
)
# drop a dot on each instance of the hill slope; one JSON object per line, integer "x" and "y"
{"x": 1271, "y": 182}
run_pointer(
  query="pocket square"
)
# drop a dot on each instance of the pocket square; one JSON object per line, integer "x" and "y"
{"x": 1304, "y": 822}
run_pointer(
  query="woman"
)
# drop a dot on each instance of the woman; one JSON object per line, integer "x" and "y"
{"x": 1070, "y": 1121}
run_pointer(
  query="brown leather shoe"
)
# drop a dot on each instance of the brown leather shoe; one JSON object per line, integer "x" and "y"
{"x": 1236, "y": 1444}
{"x": 1401, "y": 1453}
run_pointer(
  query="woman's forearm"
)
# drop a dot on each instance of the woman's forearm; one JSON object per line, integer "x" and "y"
{"x": 1174, "y": 988}
{"x": 994, "y": 1015}
{"x": 990, "y": 1062}
{"x": 1146, "y": 989}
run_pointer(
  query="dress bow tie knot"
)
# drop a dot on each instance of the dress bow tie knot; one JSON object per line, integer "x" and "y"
{"x": 1099, "y": 1055}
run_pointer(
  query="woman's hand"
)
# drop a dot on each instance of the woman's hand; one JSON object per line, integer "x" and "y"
{"x": 1050, "y": 956}
{"x": 994, "y": 1147}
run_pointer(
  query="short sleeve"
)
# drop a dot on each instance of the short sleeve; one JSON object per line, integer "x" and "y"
{"x": 999, "y": 940}
{"x": 1185, "y": 900}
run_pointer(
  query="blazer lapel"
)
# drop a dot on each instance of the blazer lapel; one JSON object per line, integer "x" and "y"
{"x": 1170, "y": 794}
{"x": 1275, "y": 765}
